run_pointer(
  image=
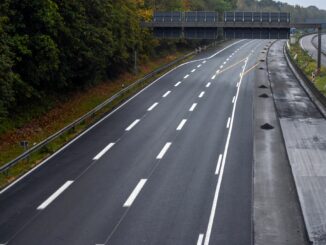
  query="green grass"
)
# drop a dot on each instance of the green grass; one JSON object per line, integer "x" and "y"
{"x": 308, "y": 65}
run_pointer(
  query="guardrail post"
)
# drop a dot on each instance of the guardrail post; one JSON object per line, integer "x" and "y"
{"x": 319, "y": 50}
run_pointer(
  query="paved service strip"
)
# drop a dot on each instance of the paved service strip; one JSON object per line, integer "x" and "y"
{"x": 48, "y": 201}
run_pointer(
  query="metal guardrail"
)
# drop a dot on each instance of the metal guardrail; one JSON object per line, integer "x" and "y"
{"x": 89, "y": 114}
{"x": 321, "y": 98}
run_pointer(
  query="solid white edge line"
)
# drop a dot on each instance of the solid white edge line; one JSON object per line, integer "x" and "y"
{"x": 192, "y": 108}
{"x": 48, "y": 201}
{"x": 112, "y": 112}
{"x": 99, "y": 155}
{"x": 132, "y": 125}
{"x": 201, "y": 94}
{"x": 208, "y": 85}
{"x": 177, "y": 84}
{"x": 200, "y": 239}
{"x": 134, "y": 193}
{"x": 220, "y": 178}
{"x": 166, "y": 94}
{"x": 182, "y": 123}
{"x": 164, "y": 150}
{"x": 152, "y": 106}
{"x": 218, "y": 166}
{"x": 228, "y": 124}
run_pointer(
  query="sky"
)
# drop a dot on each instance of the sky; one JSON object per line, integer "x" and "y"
{"x": 318, "y": 3}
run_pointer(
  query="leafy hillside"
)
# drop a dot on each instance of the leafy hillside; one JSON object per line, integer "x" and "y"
{"x": 298, "y": 13}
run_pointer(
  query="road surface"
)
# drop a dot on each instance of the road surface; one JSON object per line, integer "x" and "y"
{"x": 307, "y": 44}
{"x": 173, "y": 165}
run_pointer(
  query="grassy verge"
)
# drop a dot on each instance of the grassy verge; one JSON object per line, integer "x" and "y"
{"x": 62, "y": 114}
{"x": 308, "y": 66}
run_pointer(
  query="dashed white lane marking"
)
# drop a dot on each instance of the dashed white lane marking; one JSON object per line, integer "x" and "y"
{"x": 192, "y": 108}
{"x": 182, "y": 123}
{"x": 233, "y": 100}
{"x": 193, "y": 70}
{"x": 224, "y": 62}
{"x": 55, "y": 195}
{"x": 218, "y": 71}
{"x": 208, "y": 85}
{"x": 186, "y": 76}
{"x": 164, "y": 150}
{"x": 152, "y": 106}
{"x": 201, "y": 94}
{"x": 228, "y": 124}
{"x": 218, "y": 166}
{"x": 135, "y": 193}
{"x": 200, "y": 239}
{"x": 204, "y": 61}
{"x": 199, "y": 66}
{"x": 166, "y": 94}
{"x": 227, "y": 59}
{"x": 214, "y": 76}
{"x": 133, "y": 125}
{"x": 106, "y": 149}
{"x": 220, "y": 178}
{"x": 221, "y": 67}
{"x": 177, "y": 84}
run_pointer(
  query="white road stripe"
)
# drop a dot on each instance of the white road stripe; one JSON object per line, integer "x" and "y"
{"x": 186, "y": 76}
{"x": 220, "y": 178}
{"x": 228, "y": 124}
{"x": 227, "y": 59}
{"x": 193, "y": 70}
{"x": 199, "y": 66}
{"x": 204, "y": 61}
{"x": 213, "y": 77}
{"x": 201, "y": 94}
{"x": 233, "y": 100}
{"x": 238, "y": 85}
{"x": 99, "y": 155}
{"x": 208, "y": 85}
{"x": 221, "y": 67}
{"x": 135, "y": 193}
{"x": 164, "y": 150}
{"x": 192, "y": 108}
{"x": 166, "y": 94}
{"x": 218, "y": 166}
{"x": 218, "y": 71}
{"x": 177, "y": 84}
{"x": 152, "y": 107}
{"x": 200, "y": 239}
{"x": 224, "y": 62}
{"x": 133, "y": 124}
{"x": 182, "y": 123}
{"x": 55, "y": 195}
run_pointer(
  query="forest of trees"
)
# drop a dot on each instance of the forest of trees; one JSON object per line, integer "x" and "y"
{"x": 51, "y": 47}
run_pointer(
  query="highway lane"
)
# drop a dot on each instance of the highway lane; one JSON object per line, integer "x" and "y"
{"x": 306, "y": 44}
{"x": 176, "y": 185}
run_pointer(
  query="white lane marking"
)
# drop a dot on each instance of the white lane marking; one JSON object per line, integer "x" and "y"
{"x": 192, "y": 108}
{"x": 182, "y": 123}
{"x": 233, "y": 100}
{"x": 224, "y": 62}
{"x": 227, "y": 59}
{"x": 166, "y": 94}
{"x": 164, "y": 150}
{"x": 200, "y": 239}
{"x": 186, "y": 76}
{"x": 193, "y": 70}
{"x": 133, "y": 125}
{"x": 177, "y": 84}
{"x": 218, "y": 71}
{"x": 134, "y": 193}
{"x": 201, "y": 94}
{"x": 99, "y": 155}
{"x": 218, "y": 166}
{"x": 55, "y": 195}
{"x": 199, "y": 66}
{"x": 239, "y": 83}
{"x": 111, "y": 113}
{"x": 220, "y": 178}
{"x": 221, "y": 67}
{"x": 208, "y": 85}
{"x": 213, "y": 77}
{"x": 204, "y": 61}
{"x": 152, "y": 106}
{"x": 228, "y": 124}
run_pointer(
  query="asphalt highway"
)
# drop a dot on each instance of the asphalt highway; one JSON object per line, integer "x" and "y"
{"x": 307, "y": 44}
{"x": 173, "y": 165}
